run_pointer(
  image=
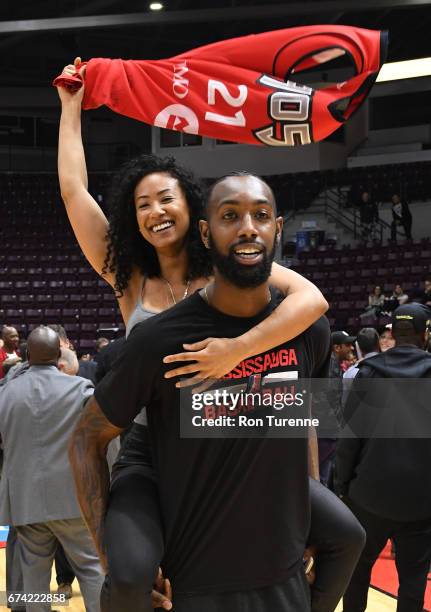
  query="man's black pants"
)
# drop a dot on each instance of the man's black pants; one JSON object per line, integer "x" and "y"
{"x": 412, "y": 559}
{"x": 407, "y": 226}
{"x": 134, "y": 544}
{"x": 64, "y": 573}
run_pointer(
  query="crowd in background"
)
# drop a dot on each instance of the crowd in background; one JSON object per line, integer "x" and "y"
{"x": 368, "y": 208}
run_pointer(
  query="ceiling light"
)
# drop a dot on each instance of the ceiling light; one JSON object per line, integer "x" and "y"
{"x": 156, "y": 6}
{"x": 408, "y": 69}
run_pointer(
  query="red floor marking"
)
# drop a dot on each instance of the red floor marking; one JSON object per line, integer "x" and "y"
{"x": 385, "y": 577}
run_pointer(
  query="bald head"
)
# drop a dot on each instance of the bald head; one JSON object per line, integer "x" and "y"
{"x": 43, "y": 346}
{"x": 230, "y": 187}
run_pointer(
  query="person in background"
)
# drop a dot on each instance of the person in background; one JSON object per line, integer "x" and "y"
{"x": 107, "y": 357}
{"x": 369, "y": 216}
{"x": 348, "y": 362}
{"x": 397, "y": 298}
{"x": 39, "y": 410}
{"x": 376, "y": 301}
{"x": 368, "y": 345}
{"x": 87, "y": 367}
{"x": 385, "y": 478}
{"x": 386, "y": 339}
{"x": 11, "y": 371}
{"x": 399, "y": 295}
{"x": 342, "y": 347}
{"x": 9, "y": 352}
{"x": 99, "y": 345}
{"x": 68, "y": 362}
{"x": 401, "y": 215}
{"x": 427, "y": 292}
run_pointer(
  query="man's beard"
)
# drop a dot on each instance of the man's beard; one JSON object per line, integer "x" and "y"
{"x": 239, "y": 275}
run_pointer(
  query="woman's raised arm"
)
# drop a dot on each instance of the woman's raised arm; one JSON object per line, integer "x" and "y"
{"x": 85, "y": 215}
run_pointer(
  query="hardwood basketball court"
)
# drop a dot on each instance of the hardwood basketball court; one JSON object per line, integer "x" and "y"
{"x": 377, "y": 602}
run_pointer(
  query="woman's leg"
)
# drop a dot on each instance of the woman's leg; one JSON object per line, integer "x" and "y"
{"x": 339, "y": 539}
{"x": 134, "y": 543}
{"x": 133, "y": 528}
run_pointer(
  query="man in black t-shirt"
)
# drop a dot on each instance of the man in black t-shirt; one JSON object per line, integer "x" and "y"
{"x": 235, "y": 510}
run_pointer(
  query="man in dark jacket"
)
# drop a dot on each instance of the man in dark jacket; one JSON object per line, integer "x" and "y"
{"x": 401, "y": 215}
{"x": 384, "y": 474}
{"x": 342, "y": 346}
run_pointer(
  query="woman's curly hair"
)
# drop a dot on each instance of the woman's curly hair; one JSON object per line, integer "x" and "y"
{"x": 126, "y": 247}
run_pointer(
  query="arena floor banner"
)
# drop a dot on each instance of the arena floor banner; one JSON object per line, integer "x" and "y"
{"x": 243, "y": 89}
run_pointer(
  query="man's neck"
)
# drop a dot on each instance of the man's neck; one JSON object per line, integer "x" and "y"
{"x": 9, "y": 349}
{"x": 412, "y": 343}
{"x": 42, "y": 363}
{"x": 237, "y": 301}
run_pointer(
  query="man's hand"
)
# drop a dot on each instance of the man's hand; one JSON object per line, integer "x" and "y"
{"x": 309, "y": 564}
{"x": 162, "y": 593}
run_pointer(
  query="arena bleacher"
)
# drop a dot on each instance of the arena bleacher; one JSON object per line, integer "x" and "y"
{"x": 45, "y": 277}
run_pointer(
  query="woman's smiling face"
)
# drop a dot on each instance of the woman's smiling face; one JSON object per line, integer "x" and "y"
{"x": 162, "y": 211}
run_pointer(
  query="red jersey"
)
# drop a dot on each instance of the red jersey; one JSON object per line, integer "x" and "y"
{"x": 3, "y": 357}
{"x": 242, "y": 89}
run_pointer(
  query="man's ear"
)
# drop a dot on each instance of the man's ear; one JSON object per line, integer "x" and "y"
{"x": 279, "y": 223}
{"x": 205, "y": 232}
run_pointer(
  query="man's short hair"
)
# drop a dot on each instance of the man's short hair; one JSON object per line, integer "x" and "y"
{"x": 368, "y": 340}
{"x": 100, "y": 342}
{"x": 59, "y": 329}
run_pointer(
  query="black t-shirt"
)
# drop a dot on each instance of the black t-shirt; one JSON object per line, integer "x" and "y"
{"x": 235, "y": 511}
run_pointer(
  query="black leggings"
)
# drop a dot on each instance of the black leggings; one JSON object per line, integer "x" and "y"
{"x": 134, "y": 537}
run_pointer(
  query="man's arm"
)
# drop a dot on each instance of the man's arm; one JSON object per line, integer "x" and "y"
{"x": 346, "y": 460}
{"x": 87, "y": 454}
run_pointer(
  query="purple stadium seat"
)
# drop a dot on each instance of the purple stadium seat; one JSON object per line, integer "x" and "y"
{"x": 86, "y": 344}
{"x": 8, "y": 300}
{"x": 33, "y": 315}
{"x": 14, "y": 315}
{"x": 39, "y": 284}
{"x": 51, "y": 314}
{"x": 70, "y": 314}
{"x": 43, "y": 300}
{"x": 88, "y": 314}
{"x": 25, "y": 299}
{"x": 93, "y": 297}
{"x": 71, "y": 328}
{"x": 59, "y": 299}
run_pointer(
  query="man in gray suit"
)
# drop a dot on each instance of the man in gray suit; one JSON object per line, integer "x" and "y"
{"x": 38, "y": 412}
